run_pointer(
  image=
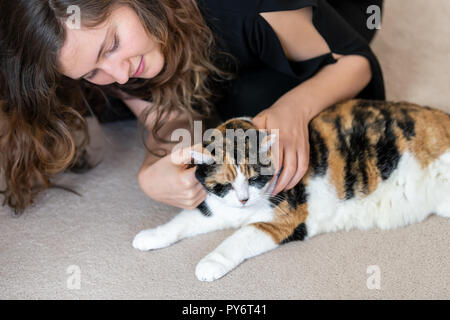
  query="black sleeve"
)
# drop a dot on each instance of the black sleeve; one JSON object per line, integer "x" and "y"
{"x": 339, "y": 35}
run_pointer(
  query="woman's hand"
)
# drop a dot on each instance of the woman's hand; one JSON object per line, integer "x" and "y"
{"x": 169, "y": 180}
{"x": 291, "y": 120}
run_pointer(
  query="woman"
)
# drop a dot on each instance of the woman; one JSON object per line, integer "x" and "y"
{"x": 170, "y": 61}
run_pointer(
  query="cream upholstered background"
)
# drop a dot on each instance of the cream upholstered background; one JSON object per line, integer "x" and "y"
{"x": 95, "y": 233}
{"x": 413, "y": 47}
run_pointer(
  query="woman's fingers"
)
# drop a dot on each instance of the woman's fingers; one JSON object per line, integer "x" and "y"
{"x": 259, "y": 121}
{"x": 193, "y": 192}
{"x": 183, "y": 156}
{"x": 302, "y": 166}
{"x": 277, "y": 157}
{"x": 194, "y": 201}
{"x": 289, "y": 169}
{"x": 200, "y": 198}
{"x": 187, "y": 178}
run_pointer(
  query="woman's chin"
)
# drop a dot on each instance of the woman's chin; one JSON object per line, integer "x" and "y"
{"x": 153, "y": 69}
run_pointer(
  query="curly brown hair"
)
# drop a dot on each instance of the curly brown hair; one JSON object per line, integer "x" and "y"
{"x": 41, "y": 110}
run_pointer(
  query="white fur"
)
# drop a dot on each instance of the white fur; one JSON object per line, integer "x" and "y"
{"x": 228, "y": 212}
{"x": 240, "y": 185}
{"x": 245, "y": 243}
{"x": 409, "y": 195}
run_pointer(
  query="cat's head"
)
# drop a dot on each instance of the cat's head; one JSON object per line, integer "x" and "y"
{"x": 238, "y": 168}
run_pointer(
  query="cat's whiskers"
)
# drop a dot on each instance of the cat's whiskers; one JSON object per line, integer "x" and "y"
{"x": 276, "y": 197}
{"x": 279, "y": 208}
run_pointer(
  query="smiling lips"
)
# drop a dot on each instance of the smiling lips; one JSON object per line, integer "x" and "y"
{"x": 140, "y": 69}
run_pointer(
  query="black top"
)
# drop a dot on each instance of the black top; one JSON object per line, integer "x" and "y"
{"x": 264, "y": 72}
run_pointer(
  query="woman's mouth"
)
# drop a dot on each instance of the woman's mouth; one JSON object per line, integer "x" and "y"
{"x": 140, "y": 69}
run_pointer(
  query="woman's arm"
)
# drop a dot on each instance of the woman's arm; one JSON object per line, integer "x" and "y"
{"x": 301, "y": 41}
{"x": 292, "y": 113}
{"x": 332, "y": 84}
{"x": 175, "y": 121}
{"x": 160, "y": 178}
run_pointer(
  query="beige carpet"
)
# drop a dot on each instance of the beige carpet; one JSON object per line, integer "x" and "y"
{"x": 64, "y": 238}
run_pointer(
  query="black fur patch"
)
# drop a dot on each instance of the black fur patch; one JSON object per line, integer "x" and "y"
{"x": 407, "y": 125}
{"x": 221, "y": 190}
{"x": 318, "y": 153}
{"x": 202, "y": 171}
{"x": 204, "y": 209}
{"x": 360, "y": 144}
{"x": 356, "y": 149}
{"x": 297, "y": 195}
{"x": 298, "y": 234}
{"x": 346, "y": 152}
{"x": 276, "y": 200}
{"x": 388, "y": 156}
{"x": 259, "y": 181}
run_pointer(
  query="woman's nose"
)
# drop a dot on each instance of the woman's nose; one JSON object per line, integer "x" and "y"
{"x": 119, "y": 71}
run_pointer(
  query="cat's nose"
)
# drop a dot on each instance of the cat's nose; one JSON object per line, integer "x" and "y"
{"x": 244, "y": 201}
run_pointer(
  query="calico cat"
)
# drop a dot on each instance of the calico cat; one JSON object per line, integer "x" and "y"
{"x": 372, "y": 164}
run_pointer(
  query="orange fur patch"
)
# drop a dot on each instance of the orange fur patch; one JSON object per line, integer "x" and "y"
{"x": 285, "y": 221}
{"x": 432, "y": 135}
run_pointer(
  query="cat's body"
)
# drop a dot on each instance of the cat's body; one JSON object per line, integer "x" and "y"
{"x": 372, "y": 164}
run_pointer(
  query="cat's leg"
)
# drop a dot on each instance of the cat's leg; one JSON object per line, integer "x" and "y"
{"x": 186, "y": 224}
{"x": 247, "y": 242}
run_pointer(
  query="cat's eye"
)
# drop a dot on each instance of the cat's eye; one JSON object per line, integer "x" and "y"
{"x": 221, "y": 189}
{"x": 259, "y": 181}
{"x": 253, "y": 179}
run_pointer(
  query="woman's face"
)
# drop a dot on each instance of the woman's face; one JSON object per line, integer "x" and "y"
{"x": 127, "y": 51}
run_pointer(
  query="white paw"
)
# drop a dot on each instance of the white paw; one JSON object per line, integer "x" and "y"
{"x": 151, "y": 239}
{"x": 213, "y": 267}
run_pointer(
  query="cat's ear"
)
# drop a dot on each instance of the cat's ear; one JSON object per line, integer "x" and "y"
{"x": 267, "y": 142}
{"x": 202, "y": 157}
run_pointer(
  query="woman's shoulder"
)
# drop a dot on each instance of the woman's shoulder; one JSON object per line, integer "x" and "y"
{"x": 248, "y": 7}
{"x": 234, "y": 7}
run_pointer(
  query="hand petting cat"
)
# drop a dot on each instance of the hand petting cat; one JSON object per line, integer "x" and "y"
{"x": 293, "y": 145}
{"x": 177, "y": 185}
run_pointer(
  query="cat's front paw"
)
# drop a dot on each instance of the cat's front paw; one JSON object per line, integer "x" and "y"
{"x": 151, "y": 239}
{"x": 213, "y": 267}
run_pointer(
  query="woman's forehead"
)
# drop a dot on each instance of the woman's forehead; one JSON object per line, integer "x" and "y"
{"x": 79, "y": 52}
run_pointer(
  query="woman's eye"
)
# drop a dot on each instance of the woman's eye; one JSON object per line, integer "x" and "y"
{"x": 114, "y": 48}
{"x": 92, "y": 75}
{"x": 116, "y": 44}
